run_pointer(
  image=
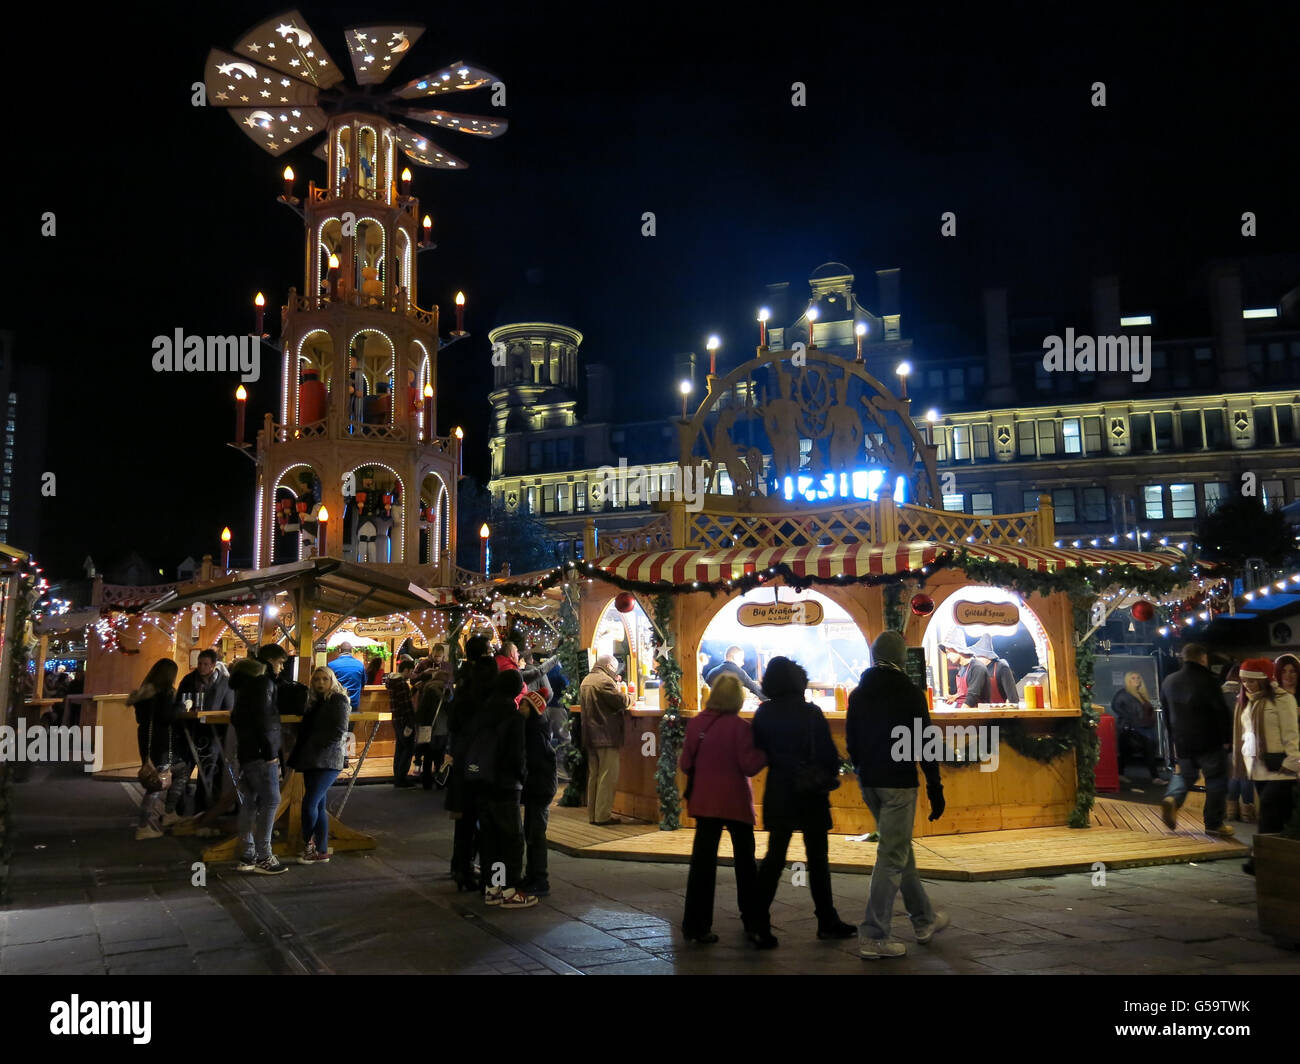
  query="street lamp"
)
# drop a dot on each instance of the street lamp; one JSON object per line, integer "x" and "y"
{"x": 685, "y": 389}
{"x": 713, "y": 345}
{"x": 483, "y": 534}
{"x": 903, "y": 370}
{"x": 763, "y": 315}
{"x": 812, "y": 323}
{"x": 860, "y": 330}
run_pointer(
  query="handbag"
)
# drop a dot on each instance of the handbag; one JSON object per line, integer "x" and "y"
{"x": 151, "y": 777}
{"x": 811, "y": 778}
{"x": 424, "y": 732}
{"x": 690, "y": 776}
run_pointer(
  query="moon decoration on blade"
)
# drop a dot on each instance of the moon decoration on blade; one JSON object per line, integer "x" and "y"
{"x": 281, "y": 86}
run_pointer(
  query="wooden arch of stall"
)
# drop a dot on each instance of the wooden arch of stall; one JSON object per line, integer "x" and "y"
{"x": 683, "y": 552}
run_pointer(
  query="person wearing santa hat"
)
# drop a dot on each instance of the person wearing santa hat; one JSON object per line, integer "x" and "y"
{"x": 1266, "y": 745}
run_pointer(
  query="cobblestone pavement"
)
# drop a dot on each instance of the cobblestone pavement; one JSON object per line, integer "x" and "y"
{"x": 85, "y": 898}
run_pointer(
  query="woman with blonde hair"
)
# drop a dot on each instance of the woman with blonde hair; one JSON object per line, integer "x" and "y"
{"x": 1266, "y": 745}
{"x": 156, "y": 711}
{"x": 319, "y": 756}
{"x": 719, "y": 757}
{"x": 1137, "y": 722}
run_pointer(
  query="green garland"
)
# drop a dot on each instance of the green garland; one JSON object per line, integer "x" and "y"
{"x": 574, "y": 664}
{"x": 672, "y": 728}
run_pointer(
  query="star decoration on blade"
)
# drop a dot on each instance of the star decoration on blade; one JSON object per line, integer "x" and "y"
{"x": 284, "y": 50}
{"x": 664, "y": 651}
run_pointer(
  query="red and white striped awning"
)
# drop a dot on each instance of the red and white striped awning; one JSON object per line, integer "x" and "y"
{"x": 678, "y": 567}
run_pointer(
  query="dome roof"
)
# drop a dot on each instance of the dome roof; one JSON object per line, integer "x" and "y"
{"x": 830, "y": 269}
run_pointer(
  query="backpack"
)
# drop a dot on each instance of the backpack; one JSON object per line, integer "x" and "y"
{"x": 481, "y": 757}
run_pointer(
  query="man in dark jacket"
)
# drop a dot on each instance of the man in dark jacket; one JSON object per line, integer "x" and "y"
{"x": 734, "y": 664}
{"x": 996, "y": 682}
{"x": 502, "y": 840}
{"x": 539, "y": 789}
{"x": 885, "y": 711}
{"x": 474, "y": 682}
{"x": 1202, "y": 737}
{"x": 256, "y": 721}
{"x": 206, "y": 690}
{"x": 402, "y": 703}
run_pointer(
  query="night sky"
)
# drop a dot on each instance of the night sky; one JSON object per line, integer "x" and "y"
{"x": 167, "y": 216}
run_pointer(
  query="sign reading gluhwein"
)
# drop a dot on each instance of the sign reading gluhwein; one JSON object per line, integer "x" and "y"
{"x": 755, "y": 615}
{"x": 991, "y": 613}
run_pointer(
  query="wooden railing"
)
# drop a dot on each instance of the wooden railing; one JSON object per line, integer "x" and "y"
{"x": 824, "y": 528}
{"x": 288, "y": 432}
{"x": 657, "y": 535}
{"x": 351, "y": 190}
{"x": 946, "y": 526}
{"x": 395, "y": 303}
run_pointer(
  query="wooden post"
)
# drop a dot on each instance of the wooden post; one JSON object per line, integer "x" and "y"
{"x": 589, "y": 539}
{"x": 679, "y": 522}
{"x": 1046, "y": 524}
{"x": 205, "y": 569}
{"x": 41, "y": 652}
{"x": 886, "y": 530}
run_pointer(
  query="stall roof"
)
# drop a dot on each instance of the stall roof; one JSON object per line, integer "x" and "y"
{"x": 332, "y": 586}
{"x": 855, "y": 559}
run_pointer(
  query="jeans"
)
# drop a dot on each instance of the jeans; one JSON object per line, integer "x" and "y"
{"x": 1274, "y": 804}
{"x": 466, "y": 838}
{"x": 894, "y": 809}
{"x": 403, "y": 749}
{"x": 502, "y": 843}
{"x": 259, "y": 793}
{"x": 702, "y": 880}
{"x": 537, "y": 815}
{"x": 315, "y": 817}
{"x": 819, "y": 871}
{"x": 1214, "y": 766}
{"x": 1241, "y": 788}
{"x": 602, "y": 782}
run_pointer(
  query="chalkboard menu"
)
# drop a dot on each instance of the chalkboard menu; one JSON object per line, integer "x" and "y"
{"x": 915, "y": 667}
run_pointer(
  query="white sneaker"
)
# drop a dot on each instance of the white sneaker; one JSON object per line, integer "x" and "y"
{"x": 147, "y": 833}
{"x": 493, "y": 896}
{"x": 246, "y": 864}
{"x": 941, "y": 921}
{"x": 168, "y": 819}
{"x": 870, "y": 949}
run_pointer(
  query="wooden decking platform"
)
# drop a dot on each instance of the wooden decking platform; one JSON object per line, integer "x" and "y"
{"x": 1123, "y": 835}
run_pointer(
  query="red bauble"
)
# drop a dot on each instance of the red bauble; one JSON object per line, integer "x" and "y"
{"x": 1143, "y": 610}
{"x": 922, "y": 605}
{"x": 625, "y": 602}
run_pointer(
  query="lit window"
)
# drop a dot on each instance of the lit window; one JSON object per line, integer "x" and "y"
{"x": 955, "y": 502}
{"x": 1215, "y": 495}
{"x": 1182, "y": 500}
{"x": 532, "y": 501}
{"x": 1092, "y": 435}
{"x": 981, "y": 503}
{"x": 1046, "y": 437}
{"x": 580, "y": 498}
{"x": 562, "y": 498}
{"x": 1025, "y": 439}
{"x": 980, "y": 441}
{"x": 1153, "y": 502}
{"x": 1070, "y": 434}
{"x": 961, "y": 443}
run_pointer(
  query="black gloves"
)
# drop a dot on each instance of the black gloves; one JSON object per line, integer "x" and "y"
{"x": 934, "y": 792}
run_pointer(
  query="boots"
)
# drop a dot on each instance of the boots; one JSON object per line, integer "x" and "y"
{"x": 1248, "y": 813}
{"x": 1233, "y": 811}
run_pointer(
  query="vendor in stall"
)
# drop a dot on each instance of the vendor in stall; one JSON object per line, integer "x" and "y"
{"x": 957, "y": 653}
{"x": 734, "y": 664}
{"x": 994, "y": 683}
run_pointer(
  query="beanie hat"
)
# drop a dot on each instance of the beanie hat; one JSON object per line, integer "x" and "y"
{"x": 1256, "y": 669}
{"x": 889, "y": 649}
{"x": 535, "y": 699}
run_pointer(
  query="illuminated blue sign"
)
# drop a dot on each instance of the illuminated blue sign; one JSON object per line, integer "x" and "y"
{"x": 860, "y": 484}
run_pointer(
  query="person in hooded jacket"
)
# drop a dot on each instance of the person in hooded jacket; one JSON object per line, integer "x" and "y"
{"x": 319, "y": 756}
{"x": 719, "y": 757}
{"x": 474, "y": 682}
{"x": 502, "y": 835}
{"x": 791, "y": 731}
{"x": 157, "y": 737}
{"x": 256, "y": 721}
{"x": 993, "y": 682}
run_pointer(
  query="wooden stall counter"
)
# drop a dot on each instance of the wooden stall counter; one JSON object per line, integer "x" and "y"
{"x": 1008, "y": 791}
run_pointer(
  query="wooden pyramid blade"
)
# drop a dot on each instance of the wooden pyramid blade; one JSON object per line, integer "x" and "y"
{"x": 478, "y": 125}
{"x": 422, "y": 150}
{"x": 458, "y": 77}
{"x": 376, "y": 50}
{"x": 277, "y": 129}
{"x": 234, "y": 82}
{"x": 285, "y": 43}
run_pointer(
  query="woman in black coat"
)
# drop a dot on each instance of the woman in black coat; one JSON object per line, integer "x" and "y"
{"x": 158, "y": 739}
{"x": 478, "y": 674}
{"x": 319, "y": 755}
{"x": 792, "y": 731}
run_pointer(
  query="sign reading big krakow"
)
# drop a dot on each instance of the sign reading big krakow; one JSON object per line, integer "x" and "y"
{"x": 756, "y": 615}
{"x": 989, "y": 613}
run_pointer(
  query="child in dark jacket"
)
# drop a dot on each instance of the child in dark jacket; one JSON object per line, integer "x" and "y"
{"x": 539, "y": 790}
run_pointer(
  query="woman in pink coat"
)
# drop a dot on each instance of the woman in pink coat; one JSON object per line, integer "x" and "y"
{"x": 718, "y": 758}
